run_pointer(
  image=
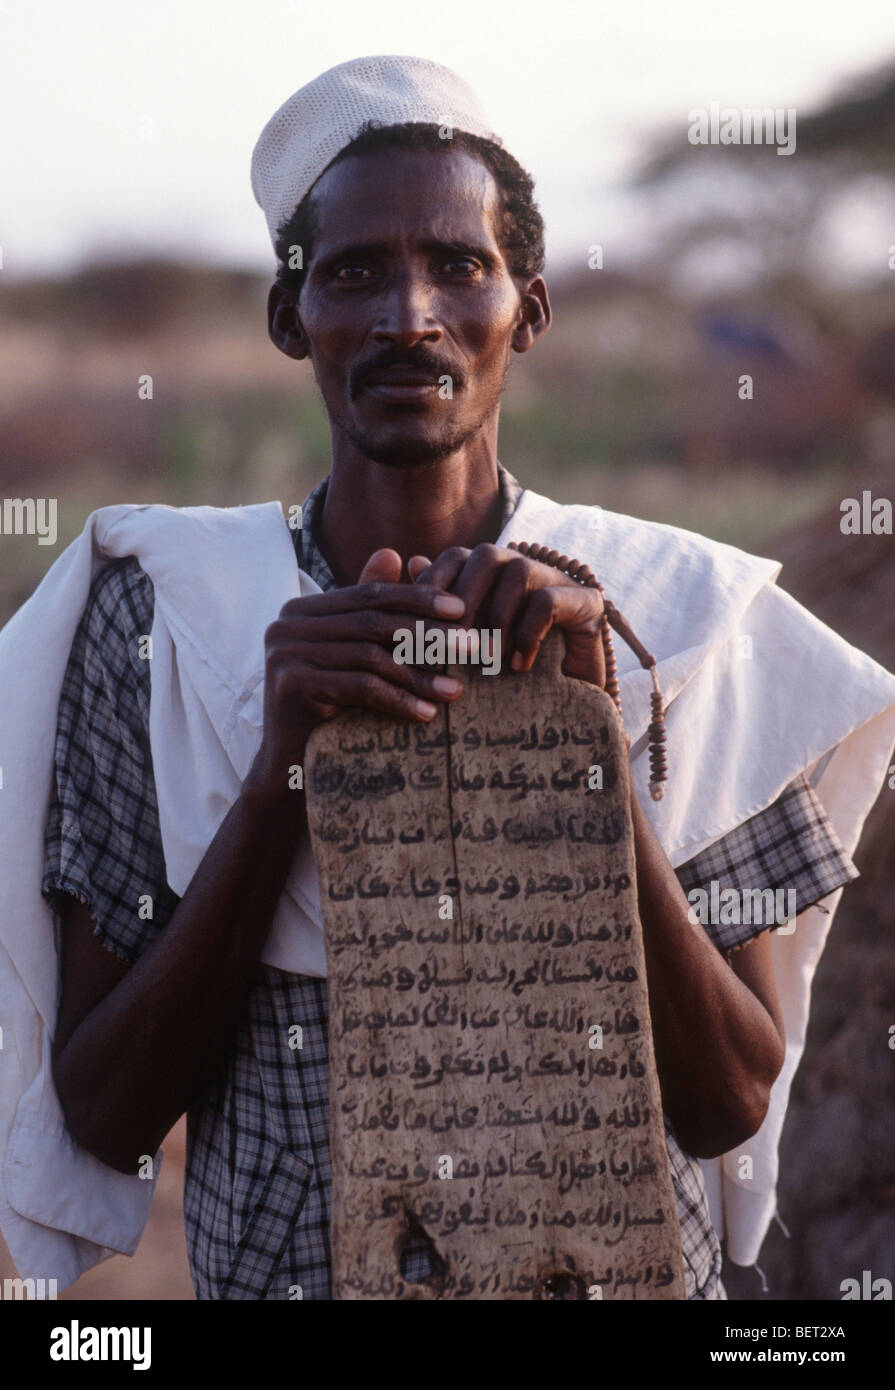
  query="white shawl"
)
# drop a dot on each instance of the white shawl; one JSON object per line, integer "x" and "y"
{"x": 739, "y": 729}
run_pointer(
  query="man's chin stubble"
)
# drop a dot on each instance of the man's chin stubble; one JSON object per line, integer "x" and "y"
{"x": 416, "y": 454}
{"x": 412, "y": 454}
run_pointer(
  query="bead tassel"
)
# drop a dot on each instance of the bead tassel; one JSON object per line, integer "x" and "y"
{"x": 612, "y": 618}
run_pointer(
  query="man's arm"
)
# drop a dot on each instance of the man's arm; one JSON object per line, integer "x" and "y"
{"x": 717, "y": 1026}
{"x": 135, "y": 1045}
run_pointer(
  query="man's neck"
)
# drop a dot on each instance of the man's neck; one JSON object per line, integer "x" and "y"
{"x": 415, "y": 511}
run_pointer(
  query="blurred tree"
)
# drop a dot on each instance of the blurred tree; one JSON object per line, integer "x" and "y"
{"x": 764, "y": 209}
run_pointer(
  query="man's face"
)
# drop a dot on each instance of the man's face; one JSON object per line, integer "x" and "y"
{"x": 406, "y": 273}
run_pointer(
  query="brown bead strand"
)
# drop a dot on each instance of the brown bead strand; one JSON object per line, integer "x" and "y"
{"x": 612, "y": 618}
{"x": 612, "y": 687}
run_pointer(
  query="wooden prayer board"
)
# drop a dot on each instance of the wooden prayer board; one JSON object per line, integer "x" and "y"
{"x": 492, "y": 1077}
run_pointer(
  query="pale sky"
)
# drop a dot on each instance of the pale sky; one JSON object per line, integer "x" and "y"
{"x": 572, "y": 88}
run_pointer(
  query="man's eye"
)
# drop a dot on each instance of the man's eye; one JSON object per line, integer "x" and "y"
{"x": 339, "y": 269}
{"x": 355, "y": 274}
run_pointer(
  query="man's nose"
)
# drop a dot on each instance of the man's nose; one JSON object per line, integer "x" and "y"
{"x": 405, "y": 309}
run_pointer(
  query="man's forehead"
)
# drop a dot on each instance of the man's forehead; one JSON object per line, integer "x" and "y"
{"x": 444, "y": 197}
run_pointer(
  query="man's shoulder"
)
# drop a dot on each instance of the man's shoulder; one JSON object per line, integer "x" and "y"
{"x": 120, "y": 586}
{"x": 196, "y": 544}
{"x": 118, "y": 613}
{"x": 679, "y": 544}
{"x": 650, "y": 565}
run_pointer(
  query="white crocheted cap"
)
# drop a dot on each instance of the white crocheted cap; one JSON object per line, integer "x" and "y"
{"x": 321, "y": 118}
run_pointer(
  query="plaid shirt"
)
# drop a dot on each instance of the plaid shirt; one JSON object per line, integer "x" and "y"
{"x": 258, "y": 1177}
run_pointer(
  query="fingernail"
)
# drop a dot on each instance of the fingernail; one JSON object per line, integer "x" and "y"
{"x": 446, "y": 685}
{"x": 425, "y": 710}
{"x": 449, "y": 606}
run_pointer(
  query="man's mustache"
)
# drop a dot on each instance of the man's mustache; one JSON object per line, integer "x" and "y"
{"x": 418, "y": 361}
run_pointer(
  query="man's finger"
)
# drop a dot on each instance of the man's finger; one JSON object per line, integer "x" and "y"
{"x": 443, "y": 571}
{"x": 376, "y": 593}
{"x": 571, "y": 610}
{"x": 368, "y": 656}
{"x": 384, "y": 565}
{"x": 474, "y": 580}
{"x": 362, "y": 690}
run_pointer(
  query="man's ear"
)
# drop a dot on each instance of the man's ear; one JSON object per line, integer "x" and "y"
{"x": 284, "y": 326}
{"x": 535, "y": 316}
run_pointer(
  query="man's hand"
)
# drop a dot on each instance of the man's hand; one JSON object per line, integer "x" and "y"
{"x": 330, "y": 651}
{"x": 524, "y": 599}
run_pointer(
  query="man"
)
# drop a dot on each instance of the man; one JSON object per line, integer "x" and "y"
{"x": 409, "y": 256}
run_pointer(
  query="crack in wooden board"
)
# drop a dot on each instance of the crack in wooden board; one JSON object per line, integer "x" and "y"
{"x": 492, "y": 1078}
